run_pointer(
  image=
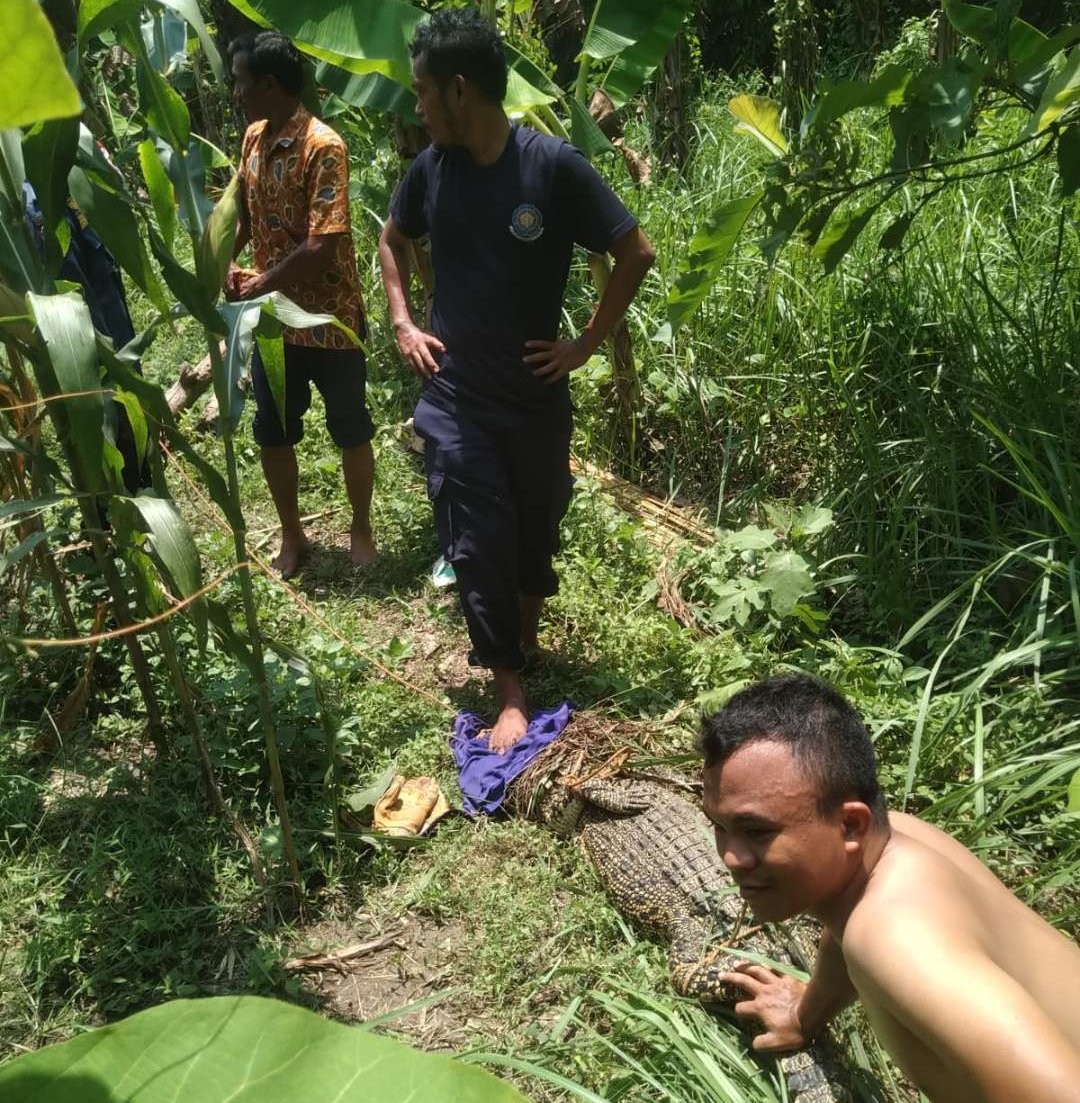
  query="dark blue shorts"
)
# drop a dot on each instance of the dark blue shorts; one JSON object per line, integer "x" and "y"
{"x": 341, "y": 378}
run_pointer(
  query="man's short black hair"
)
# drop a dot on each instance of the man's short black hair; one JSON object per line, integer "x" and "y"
{"x": 269, "y": 54}
{"x": 461, "y": 42}
{"x": 825, "y": 734}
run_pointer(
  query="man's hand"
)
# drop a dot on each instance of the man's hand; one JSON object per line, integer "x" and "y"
{"x": 250, "y": 286}
{"x": 556, "y": 358}
{"x": 774, "y": 1004}
{"x": 418, "y": 348}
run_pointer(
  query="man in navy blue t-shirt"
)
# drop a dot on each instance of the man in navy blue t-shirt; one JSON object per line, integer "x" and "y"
{"x": 503, "y": 206}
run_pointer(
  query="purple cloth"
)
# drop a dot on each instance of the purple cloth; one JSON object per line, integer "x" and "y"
{"x": 484, "y": 774}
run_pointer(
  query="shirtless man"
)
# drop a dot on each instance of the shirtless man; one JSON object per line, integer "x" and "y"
{"x": 976, "y": 998}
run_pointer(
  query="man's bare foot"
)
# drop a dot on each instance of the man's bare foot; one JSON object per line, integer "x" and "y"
{"x": 292, "y": 555}
{"x": 509, "y": 728}
{"x": 362, "y": 550}
{"x": 513, "y": 719}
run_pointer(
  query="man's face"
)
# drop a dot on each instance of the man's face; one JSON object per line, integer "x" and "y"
{"x": 784, "y": 856}
{"x": 251, "y": 94}
{"x": 438, "y": 105}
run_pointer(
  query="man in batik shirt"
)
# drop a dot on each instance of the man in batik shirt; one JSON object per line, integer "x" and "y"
{"x": 294, "y": 179}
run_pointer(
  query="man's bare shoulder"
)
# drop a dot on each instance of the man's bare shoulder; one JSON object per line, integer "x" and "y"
{"x": 915, "y": 894}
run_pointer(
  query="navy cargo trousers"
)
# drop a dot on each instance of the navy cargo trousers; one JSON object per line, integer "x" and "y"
{"x": 500, "y": 485}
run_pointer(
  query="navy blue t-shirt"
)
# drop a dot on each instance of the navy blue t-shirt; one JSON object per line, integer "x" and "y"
{"x": 501, "y": 242}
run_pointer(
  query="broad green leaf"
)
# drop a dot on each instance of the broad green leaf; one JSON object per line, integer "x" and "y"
{"x": 885, "y": 90}
{"x": 949, "y": 93}
{"x": 653, "y": 25}
{"x": 894, "y": 234}
{"x": 584, "y": 132}
{"x": 811, "y": 520}
{"x": 750, "y": 538}
{"x": 841, "y": 233}
{"x": 241, "y": 1049}
{"x": 527, "y": 85}
{"x": 189, "y": 10}
{"x": 786, "y": 575}
{"x": 48, "y": 154}
{"x": 1068, "y": 153}
{"x": 34, "y": 84}
{"x": 372, "y": 37}
{"x": 114, "y": 221}
{"x": 370, "y": 91}
{"x": 364, "y": 800}
{"x": 160, "y": 189}
{"x": 219, "y": 237}
{"x": 1062, "y": 93}
{"x": 760, "y": 117}
{"x": 709, "y": 249}
{"x": 1026, "y": 71}
{"x": 65, "y": 326}
{"x": 280, "y": 307}
{"x": 736, "y": 600}
{"x": 119, "y": 371}
{"x": 97, "y": 16}
{"x": 910, "y": 126}
{"x": 980, "y": 24}
{"x": 617, "y": 25}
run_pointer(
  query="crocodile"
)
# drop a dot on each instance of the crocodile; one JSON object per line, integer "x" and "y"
{"x": 655, "y": 853}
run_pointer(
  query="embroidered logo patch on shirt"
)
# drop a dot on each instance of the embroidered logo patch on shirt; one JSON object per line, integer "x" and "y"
{"x": 526, "y": 223}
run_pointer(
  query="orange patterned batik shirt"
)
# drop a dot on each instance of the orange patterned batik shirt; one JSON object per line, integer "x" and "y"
{"x": 296, "y": 186}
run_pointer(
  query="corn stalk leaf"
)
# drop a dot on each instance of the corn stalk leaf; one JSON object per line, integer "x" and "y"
{"x": 219, "y": 237}
{"x": 171, "y": 545}
{"x": 111, "y": 214}
{"x": 20, "y": 264}
{"x": 34, "y": 84}
{"x": 160, "y": 189}
{"x": 71, "y": 343}
{"x": 242, "y": 1048}
{"x": 48, "y": 153}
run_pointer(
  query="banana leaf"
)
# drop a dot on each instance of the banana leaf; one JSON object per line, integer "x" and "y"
{"x": 242, "y": 1049}
{"x": 634, "y": 35}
